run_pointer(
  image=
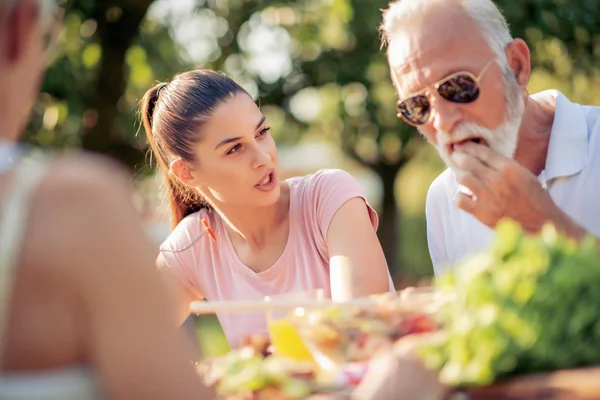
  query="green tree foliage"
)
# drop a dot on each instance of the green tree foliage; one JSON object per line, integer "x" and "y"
{"x": 315, "y": 65}
{"x": 105, "y": 59}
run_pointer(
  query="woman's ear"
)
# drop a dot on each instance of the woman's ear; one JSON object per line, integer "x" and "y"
{"x": 180, "y": 169}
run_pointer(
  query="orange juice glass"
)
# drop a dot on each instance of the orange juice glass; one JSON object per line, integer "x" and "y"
{"x": 284, "y": 335}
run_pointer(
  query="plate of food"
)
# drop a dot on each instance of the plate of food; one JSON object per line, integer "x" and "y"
{"x": 253, "y": 372}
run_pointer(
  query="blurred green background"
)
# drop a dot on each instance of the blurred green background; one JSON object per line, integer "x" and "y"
{"x": 318, "y": 72}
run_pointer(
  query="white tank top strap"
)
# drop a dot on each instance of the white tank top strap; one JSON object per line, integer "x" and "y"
{"x": 14, "y": 212}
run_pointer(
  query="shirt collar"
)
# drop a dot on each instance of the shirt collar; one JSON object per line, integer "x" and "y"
{"x": 568, "y": 146}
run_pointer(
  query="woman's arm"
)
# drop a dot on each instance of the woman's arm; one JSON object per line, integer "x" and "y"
{"x": 353, "y": 246}
{"x": 182, "y": 296}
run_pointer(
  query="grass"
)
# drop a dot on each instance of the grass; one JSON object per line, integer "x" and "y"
{"x": 210, "y": 336}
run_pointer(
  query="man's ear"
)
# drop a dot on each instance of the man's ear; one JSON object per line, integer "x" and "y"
{"x": 20, "y": 25}
{"x": 180, "y": 169}
{"x": 519, "y": 59}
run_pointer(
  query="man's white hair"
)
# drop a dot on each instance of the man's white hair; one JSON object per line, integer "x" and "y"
{"x": 485, "y": 13}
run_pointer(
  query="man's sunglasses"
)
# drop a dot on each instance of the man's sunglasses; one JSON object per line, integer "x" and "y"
{"x": 461, "y": 87}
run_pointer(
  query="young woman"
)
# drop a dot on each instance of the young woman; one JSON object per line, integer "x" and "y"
{"x": 239, "y": 231}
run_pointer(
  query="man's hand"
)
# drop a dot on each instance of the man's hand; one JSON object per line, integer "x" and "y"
{"x": 400, "y": 374}
{"x": 502, "y": 188}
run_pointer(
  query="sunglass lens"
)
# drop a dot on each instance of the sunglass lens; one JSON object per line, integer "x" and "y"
{"x": 459, "y": 89}
{"x": 415, "y": 110}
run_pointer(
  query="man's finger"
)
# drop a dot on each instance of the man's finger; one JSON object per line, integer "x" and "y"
{"x": 466, "y": 202}
{"x": 476, "y": 208}
{"x": 468, "y": 163}
{"x": 486, "y": 155}
{"x": 476, "y": 185}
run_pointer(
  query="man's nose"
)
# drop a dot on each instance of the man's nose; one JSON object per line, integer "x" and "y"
{"x": 444, "y": 114}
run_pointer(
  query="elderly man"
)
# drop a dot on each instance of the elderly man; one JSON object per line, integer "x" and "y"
{"x": 461, "y": 80}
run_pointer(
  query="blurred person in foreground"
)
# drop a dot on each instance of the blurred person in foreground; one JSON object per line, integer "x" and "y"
{"x": 83, "y": 313}
{"x": 531, "y": 158}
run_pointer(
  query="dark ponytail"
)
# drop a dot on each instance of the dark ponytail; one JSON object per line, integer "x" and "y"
{"x": 172, "y": 115}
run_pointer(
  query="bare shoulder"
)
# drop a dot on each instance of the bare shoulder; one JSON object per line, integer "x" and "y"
{"x": 82, "y": 192}
{"x": 82, "y": 213}
{"x": 83, "y": 174}
{"x": 332, "y": 176}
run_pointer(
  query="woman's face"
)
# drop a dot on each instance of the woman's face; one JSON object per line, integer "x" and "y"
{"x": 237, "y": 157}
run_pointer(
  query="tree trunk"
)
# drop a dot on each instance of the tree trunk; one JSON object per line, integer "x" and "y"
{"x": 116, "y": 35}
{"x": 388, "y": 222}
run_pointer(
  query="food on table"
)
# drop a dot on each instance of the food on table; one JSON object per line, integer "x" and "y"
{"x": 259, "y": 343}
{"x": 530, "y": 304}
{"x": 246, "y": 374}
{"x": 284, "y": 335}
{"x": 286, "y": 340}
{"x": 343, "y": 334}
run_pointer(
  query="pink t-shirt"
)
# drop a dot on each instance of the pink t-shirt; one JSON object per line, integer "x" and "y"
{"x": 213, "y": 270}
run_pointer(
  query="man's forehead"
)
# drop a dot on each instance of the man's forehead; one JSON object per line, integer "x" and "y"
{"x": 414, "y": 63}
{"x": 438, "y": 35}
{"x": 406, "y": 54}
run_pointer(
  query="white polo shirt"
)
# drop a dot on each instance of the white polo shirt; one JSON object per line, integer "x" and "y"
{"x": 571, "y": 176}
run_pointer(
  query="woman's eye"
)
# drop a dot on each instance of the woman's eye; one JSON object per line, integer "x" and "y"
{"x": 234, "y": 149}
{"x": 238, "y": 146}
{"x": 264, "y": 131}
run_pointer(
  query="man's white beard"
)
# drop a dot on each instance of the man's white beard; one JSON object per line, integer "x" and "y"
{"x": 503, "y": 140}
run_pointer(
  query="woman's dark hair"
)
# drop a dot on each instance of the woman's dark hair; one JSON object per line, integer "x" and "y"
{"x": 172, "y": 115}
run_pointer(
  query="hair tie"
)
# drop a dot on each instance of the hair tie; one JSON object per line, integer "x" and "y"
{"x": 160, "y": 88}
{"x": 206, "y": 226}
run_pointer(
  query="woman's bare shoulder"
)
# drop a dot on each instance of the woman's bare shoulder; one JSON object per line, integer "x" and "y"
{"x": 82, "y": 210}
{"x": 81, "y": 171}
